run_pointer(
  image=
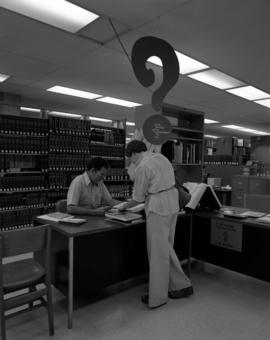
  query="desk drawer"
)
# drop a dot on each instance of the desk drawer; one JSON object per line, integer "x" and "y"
{"x": 240, "y": 184}
{"x": 238, "y": 199}
{"x": 258, "y": 186}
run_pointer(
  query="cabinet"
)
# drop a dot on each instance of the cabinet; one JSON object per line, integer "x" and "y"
{"x": 185, "y": 147}
{"x": 244, "y": 185}
{"x": 41, "y": 156}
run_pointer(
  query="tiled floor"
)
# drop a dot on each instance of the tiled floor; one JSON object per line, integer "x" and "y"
{"x": 225, "y": 305}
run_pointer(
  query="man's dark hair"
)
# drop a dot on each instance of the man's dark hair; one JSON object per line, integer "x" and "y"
{"x": 97, "y": 164}
{"x": 135, "y": 146}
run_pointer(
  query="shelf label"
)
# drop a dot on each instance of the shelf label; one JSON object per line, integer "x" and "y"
{"x": 226, "y": 234}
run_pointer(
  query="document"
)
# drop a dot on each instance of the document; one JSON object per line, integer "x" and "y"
{"x": 136, "y": 208}
{"x": 202, "y": 194}
{"x": 123, "y": 216}
{"x": 264, "y": 219}
{"x": 62, "y": 218}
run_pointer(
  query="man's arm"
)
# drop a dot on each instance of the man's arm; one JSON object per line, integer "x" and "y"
{"x": 76, "y": 210}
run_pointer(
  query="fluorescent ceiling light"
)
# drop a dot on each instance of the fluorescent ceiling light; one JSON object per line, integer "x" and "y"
{"x": 65, "y": 114}
{"x": 264, "y": 102}
{"x": 186, "y": 64}
{"x": 217, "y": 79}
{"x": 249, "y": 92}
{"x": 130, "y": 123}
{"x": 3, "y": 77}
{"x": 210, "y": 121}
{"x": 101, "y": 119}
{"x": 73, "y": 92}
{"x": 243, "y": 129}
{"x": 211, "y": 136}
{"x": 116, "y": 101}
{"x": 30, "y": 109}
{"x": 58, "y": 13}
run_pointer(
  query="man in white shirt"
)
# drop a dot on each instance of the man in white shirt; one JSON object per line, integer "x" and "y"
{"x": 87, "y": 194}
{"x": 155, "y": 184}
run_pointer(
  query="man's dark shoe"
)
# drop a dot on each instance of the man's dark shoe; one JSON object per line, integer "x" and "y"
{"x": 181, "y": 293}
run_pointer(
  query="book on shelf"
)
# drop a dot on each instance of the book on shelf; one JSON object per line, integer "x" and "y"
{"x": 202, "y": 194}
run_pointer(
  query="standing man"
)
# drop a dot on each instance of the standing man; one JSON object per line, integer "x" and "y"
{"x": 87, "y": 194}
{"x": 154, "y": 184}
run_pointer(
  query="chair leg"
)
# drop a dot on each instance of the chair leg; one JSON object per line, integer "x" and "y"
{"x": 50, "y": 310}
{"x": 31, "y": 289}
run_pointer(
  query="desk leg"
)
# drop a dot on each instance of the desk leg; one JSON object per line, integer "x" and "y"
{"x": 70, "y": 280}
{"x": 190, "y": 246}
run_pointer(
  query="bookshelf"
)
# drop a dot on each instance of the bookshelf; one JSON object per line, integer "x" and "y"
{"x": 41, "y": 156}
{"x": 185, "y": 147}
{"x": 23, "y": 170}
{"x": 227, "y": 151}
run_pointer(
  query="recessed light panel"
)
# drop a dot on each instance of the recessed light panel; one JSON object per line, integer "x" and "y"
{"x": 3, "y": 77}
{"x": 217, "y": 79}
{"x": 130, "y": 123}
{"x": 243, "y": 129}
{"x": 249, "y": 92}
{"x": 65, "y": 114}
{"x": 101, "y": 119}
{"x": 73, "y": 92}
{"x": 29, "y": 109}
{"x": 210, "y": 121}
{"x": 58, "y": 13}
{"x": 211, "y": 136}
{"x": 264, "y": 102}
{"x": 186, "y": 64}
{"x": 117, "y": 101}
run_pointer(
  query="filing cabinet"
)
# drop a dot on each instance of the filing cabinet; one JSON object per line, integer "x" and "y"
{"x": 242, "y": 185}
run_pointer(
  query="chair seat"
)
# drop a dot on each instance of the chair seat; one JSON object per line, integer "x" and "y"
{"x": 17, "y": 275}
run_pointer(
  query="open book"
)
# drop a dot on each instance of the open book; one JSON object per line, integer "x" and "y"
{"x": 62, "y": 217}
{"x": 202, "y": 194}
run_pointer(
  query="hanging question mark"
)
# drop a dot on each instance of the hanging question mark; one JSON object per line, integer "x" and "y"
{"x": 143, "y": 49}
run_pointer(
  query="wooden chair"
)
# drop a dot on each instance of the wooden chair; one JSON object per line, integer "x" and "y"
{"x": 24, "y": 274}
{"x": 61, "y": 206}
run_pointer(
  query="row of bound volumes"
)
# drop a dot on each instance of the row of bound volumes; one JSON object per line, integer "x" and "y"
{"x": 68, "y": 143}
{"x": 23, "y": 126}
{"x": 19, "y": 219}
{"x": 118, "y": 191}
{"x": 108, "y": 136}
{"x": 106, "y": 152}
{"x": 19, "y": 201}
{"x": 24, "y": 145}
{"x": 54, "y": 196}
{"x": 14, "y": 183}
{"x": 70, "y": 126}
{"x": 186, "y": 153}
{"x": 58, "y": 180}
{"x": 67, "y": 162}
{"x": 15, "y": 163}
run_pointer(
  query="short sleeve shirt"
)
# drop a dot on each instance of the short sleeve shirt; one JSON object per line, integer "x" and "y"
{"x": 82, "y": 192}
{"x": 155, "y": 184}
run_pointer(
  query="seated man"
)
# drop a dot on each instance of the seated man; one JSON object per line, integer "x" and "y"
{"x": 87, "y": 194}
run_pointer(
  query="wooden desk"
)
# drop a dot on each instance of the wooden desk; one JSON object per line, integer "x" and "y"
{"x": 100, "y": 253}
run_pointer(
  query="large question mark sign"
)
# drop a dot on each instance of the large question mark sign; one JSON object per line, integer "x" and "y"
{"x": 143, "y": 49}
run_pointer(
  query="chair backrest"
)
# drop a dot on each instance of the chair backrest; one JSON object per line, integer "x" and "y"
{"x": 61, "y": 206}
{"x": 21, "y": 241}
{"x": 257, "y": 202}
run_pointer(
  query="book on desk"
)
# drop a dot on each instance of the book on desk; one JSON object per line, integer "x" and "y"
{"x": 62, "y": 218}
{"x": 125, "y": 216}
